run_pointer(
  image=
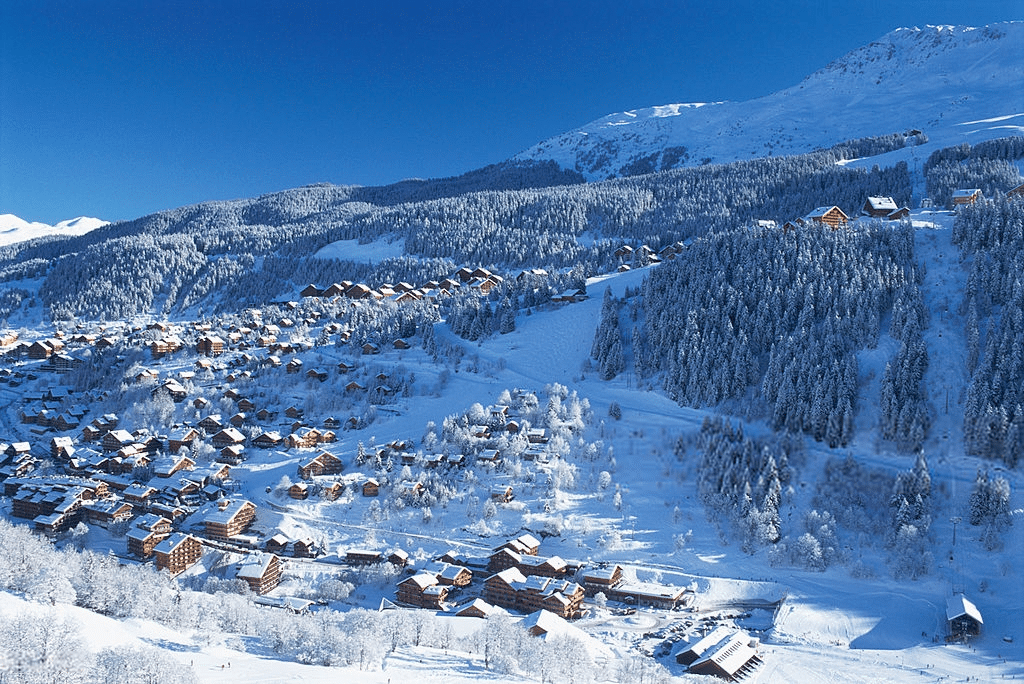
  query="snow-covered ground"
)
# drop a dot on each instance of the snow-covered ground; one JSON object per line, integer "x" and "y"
{"x": 371, "y": 252}
{"x": 831, "y": 626}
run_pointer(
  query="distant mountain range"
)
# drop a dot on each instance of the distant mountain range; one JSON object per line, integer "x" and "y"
{"x": 956, "y": 84}
{"x": 14, "y": 229}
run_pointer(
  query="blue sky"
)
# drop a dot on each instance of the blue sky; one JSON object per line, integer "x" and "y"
{"x": 117, "y": 109}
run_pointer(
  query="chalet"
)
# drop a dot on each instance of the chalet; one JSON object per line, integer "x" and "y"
{"x": 414, "y": 591}
{"x": 899, "y": 214}
{"x": 304, "y": 548}
{"x": 399, "y": 558}
{"x": 601, "y": 579}
{"x": 369, "y": 349}
{"x": 332, "y": 491}
{"x": 311, "y": 290}
{"x": 304, "y": 438}
{"x": 488, "y": 456}
{"x": 210, "y": 345}
{"x": 233, "y": 518}
{"x": 454, "y": 575}
{"x": 411, "y": 490}
{"x": 324, "y": 463}
{"x": 177, "y": 553}
{"x": 371, "y": 487}
{"x": 401, "y": 344}
{"x": 60, "y": 445}
{"x": 227, "y": 437}
{"x": 317, "y": 374}
{"x": 105, "y": 512}
{"x": 345, "y": 367}
{"x": 265, "y": 414}
{"x": 354, "y": 387}
{"x": 511, "y": 589}
{"x": 277, "y": 544}
{"x": 246, "y": 404}
{"x": 725, "y": 653}
{"x": 833, "y": 217}
{"x": 363, "y": 557}
{"x": 647, "y": 594}
{"x": 879, "y": 207}
{"x": 294, "y": 366}
{"x": 299, "y": 490}
{"x": 570, "y": 296}
{"x": 537, "y": 436}
{"x": 502, "y": 494}
{"x": 293, "y": 412}
{"x": 172, "y": 388}
{"x": 183, "y": 437}
{"x": 212, "y": 424}
{"x": 149, "y": 530}
{"x": 116, "y": 439}
{"x": 624, "y": 252}
{"x": 963, "y": 618}
{"x": 261, "y": 571}
{"x": 268, "y": 440}
{"x": 525, "y": 544}
{"x": 171, "y": 464}
{"x": 1015, "y": 192}
{"x": 968, "y": 196}
{"x": 238, "y": 420}
{"x": 476, "y": 608}
{"x": 139, "y": 495}
{"x": 332, "y": 423}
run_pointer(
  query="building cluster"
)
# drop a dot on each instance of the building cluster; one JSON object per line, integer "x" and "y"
{"x": 479, "y": 280}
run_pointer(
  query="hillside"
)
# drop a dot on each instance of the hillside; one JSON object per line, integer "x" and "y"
{"x": 292, "y": 437}
{"x": 956, "y": 84}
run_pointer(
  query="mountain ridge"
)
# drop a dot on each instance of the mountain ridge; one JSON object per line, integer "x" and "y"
{"x": 947, "y": 81}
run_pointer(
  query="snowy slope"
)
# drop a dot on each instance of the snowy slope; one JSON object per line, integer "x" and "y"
{"x": 956, "y": 84}
{"x": 14, "y": 229}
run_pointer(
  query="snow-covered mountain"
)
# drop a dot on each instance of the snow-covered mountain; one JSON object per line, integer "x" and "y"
{"x": 14, "y": 229}
{"x": 957, "y": 84}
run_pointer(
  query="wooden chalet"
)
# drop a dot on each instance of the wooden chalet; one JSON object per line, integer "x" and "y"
{"x": 177, "y": 553}
{"x": 210, "y": 345}
{"x": 149, "y": 530}
{"x": 183, "y": 437}
{"x": 370, "y": 349}
{"x": 454, "y": 575}
{"x": 106, "y": 512}
{"x": 116, "y": 439}
{"x": 524, "y": 544}
{"x": 833, "y": 217}
{"x": 171, "y": 464}
{"x": 966, "y": 196}
{"x": 324, "y": 463}
{"x": 304, "y": 548}
{"x": 476, "y": 608}
{"x": 211, "y": 424}
{"x": 294, "y": 366}
{"x": 1016, "y": 192}
{"x": 246, "y": 405}
{"x": 963, "y": 618}
{"x": 363, "y": 557}
{"x": 371, "y": 487}
{"x": 268, "y": 440}
{"x": 233, "y": 454}
{"x": 234, "y": 517}
{"x": 601, "y": 579}
{"x": 293, "y": 412}
{"x": 299, "y": 490}
{"x": 332, "y": 491}
{"x": 277, "y": 544}
{"x": 227, "y": 437}
{"x": 421, "y": 590}
{"x": 399, "y": 558}
{"x": 261, "y": 571}
{"x": 879, "y": 207}
{"x": 511, "y": 589}
{"x": 401, "y": 344}
{"x": 502, "y": 494}
{"x": 728, "y": 654}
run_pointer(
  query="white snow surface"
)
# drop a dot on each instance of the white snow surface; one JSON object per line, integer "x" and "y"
{"x": 14, "y": 229}
{"x": 831, "y": 626}
{"x": 954, "y": 83}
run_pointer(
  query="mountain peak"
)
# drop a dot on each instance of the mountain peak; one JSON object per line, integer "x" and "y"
{"x": 15, "y": 229}
{"x": 937, "y": 79}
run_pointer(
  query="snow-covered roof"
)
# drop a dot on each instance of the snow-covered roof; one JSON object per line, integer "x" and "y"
{"x": 880, "y": 203}
{"x": 958, "y": 606}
